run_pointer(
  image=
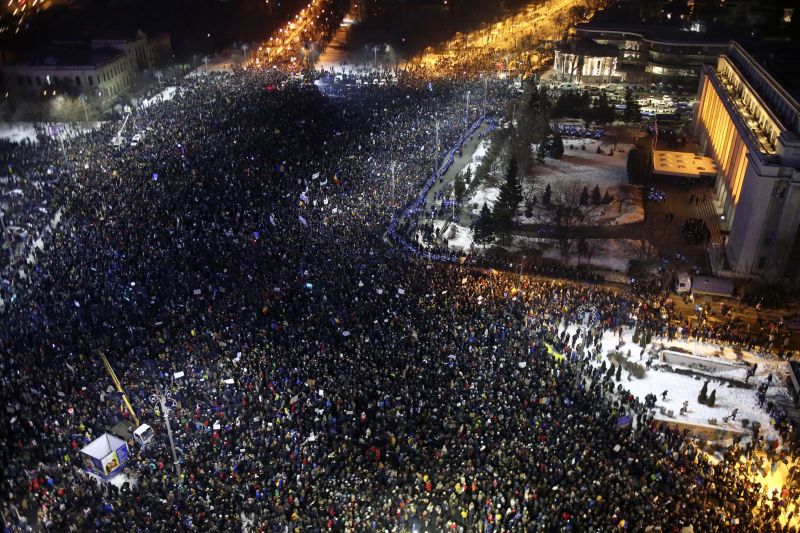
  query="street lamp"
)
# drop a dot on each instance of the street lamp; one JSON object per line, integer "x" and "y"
{"x": 165, "y": 402}
{"x": 83, "y": 101}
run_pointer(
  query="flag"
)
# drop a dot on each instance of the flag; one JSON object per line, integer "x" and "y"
{"x": 324, "y": 182}
{"x": 315, "y": 175}
{"x": 302, "y": 220}
{"x": 304, "y": 198}
{"x": 272, "y": 219}
{"x": 401, "y": 291}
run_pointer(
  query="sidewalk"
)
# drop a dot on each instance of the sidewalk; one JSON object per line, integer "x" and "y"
{"x": 445, "y": 183}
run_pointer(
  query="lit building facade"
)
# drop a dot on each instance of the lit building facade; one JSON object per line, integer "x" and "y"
{"x": 586, "y": 61}
{"x": 651, "y": 54}
{"x": 751, "y": 126}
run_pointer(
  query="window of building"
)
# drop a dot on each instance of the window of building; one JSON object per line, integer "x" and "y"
{"x": 90, "y": 80}
{"x": 761, "y": 262}
{"x": 38, "y": 80}
{"x": 30, "y": 81}
{"x": 78, "y": 80}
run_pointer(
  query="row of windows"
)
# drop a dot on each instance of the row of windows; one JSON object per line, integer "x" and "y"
{"x": 52, "y": 80}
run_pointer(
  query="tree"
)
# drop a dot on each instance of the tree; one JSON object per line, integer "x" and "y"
{"x": 606, "y": 198}
{"x": 505, "y": 209}
{"x": 484, "y": 226}
{"x": 602, "y": 111}
{"x": 547, "y": 198}
{"x": 541, "y": 151}
{"x": 566, "y": 215}
{"x": 639, "y": 165}
{"x": 633, "y": 112}
{"x": 459, "y": 187}
{"x": 557, "y": 147}
{"x": 596, "y": 198}
{"x": 712, "y": 398}
{"x": 619, "y": 372}
{"x": 584, "y": 199}
{"x": 703, "y": 397}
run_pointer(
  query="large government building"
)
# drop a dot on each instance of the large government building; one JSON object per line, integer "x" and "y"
{"x": 750, "y": 124}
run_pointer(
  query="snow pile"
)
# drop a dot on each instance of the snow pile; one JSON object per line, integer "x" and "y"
{"x": 462, "y": 241}
{"x": 682, "y": 387}
{"x": 487, "y": 195}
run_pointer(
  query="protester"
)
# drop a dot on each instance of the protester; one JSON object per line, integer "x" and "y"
{"x": 247, "y": 239}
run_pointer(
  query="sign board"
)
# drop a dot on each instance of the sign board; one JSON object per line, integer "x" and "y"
{"x": 105, "y": 456}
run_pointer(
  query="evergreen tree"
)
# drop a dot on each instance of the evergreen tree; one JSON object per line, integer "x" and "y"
{"x": 529, "y": 209}
{"x": 484, "y": 226}
{"x": 459, "y": 187}
{"x": 712, "y": 398}
{"x": 557, "y": 147}
{"x": 602, "y": 110}
{"x": 547, "y": 198}
{"x": 633, "y": 112}
{"x": 606, "y": 198}
{"x": 507, "y": 202}
{"x": 703, "y": 397}
{"x": 584, "y": 199}
{"x": 596, "y": 198}
{"x": 541, "y": 151}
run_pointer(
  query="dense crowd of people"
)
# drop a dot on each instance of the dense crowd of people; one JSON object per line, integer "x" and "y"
{"x": 333, "y": 380}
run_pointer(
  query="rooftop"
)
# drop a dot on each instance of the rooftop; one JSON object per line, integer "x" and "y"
{"x": 655, "y": 32}
{"x": 682, "y": 164}
{"x": 587, "y": 47}
{"x": 71, "y": 56}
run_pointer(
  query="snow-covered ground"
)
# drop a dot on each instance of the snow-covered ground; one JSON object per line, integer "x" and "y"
{"x": 19, "y": 131}
{"x": 682, "y": 388}
{"x": 608, "y": 254}
{"x": 477, "y": 157}
{"x": 167, "y": 94}
{"x": 584, "y": 167}
{"x": 483, "y": 195}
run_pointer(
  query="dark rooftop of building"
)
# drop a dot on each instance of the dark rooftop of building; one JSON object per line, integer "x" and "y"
{"x": 587, "y": 47}
{"x": 656, "y": 32}
{"x": 779, "y": 59}
{"x": 71, "y": 56}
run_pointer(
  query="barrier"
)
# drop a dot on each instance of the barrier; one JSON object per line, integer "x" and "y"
{"x": 416, "y": 204}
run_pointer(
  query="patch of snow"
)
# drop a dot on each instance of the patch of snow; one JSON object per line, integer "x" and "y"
{"x": 609, "y": 254}
{"x": 21, "y": 131}
{"x": 487, "y": 195}
{"x": 477, "y": 157}
{"x": 163, "y": 96}
{"x": 682, "y": 388}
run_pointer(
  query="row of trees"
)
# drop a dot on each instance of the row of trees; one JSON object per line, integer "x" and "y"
{"x": 580, "y": 104}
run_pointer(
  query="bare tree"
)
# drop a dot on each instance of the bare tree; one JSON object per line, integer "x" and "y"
{"x": 566, "y": 214}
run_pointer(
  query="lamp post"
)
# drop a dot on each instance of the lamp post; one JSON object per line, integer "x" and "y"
{"x": 466, "y": 117}
{"x": 165, "y": 402}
